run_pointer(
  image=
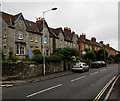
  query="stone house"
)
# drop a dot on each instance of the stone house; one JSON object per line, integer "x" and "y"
{"x": 20, "y": 36}
{"x": 73, "y": 37}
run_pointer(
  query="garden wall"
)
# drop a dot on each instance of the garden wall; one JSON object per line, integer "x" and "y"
{"x": 27, "y": 70}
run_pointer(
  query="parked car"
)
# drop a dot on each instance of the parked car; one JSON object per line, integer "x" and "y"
{"x": 103, "y": 63}
{"x": 80, "y": 66}
{"x": 96, "y": 64}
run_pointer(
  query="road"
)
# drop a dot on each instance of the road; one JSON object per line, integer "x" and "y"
{"x": 85, "y": 85}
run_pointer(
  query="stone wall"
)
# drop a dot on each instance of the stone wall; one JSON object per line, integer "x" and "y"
{"x": 27, "y": 70}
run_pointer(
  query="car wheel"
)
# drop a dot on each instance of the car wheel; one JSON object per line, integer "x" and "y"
{"x": 83, "y": 70}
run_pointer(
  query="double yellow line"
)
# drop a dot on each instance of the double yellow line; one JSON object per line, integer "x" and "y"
{"x": 103, "y": 90}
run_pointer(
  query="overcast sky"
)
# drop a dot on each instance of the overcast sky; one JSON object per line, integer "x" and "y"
{"x": 96, "y": 18}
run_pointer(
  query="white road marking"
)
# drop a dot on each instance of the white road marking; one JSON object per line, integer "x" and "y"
{"x": 103, "y": 69}
{"x": 93, "y": 73}
{"x": 77, "y": 78}
{"x": 44, "y": 90}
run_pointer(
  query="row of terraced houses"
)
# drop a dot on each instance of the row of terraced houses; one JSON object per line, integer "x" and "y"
{"x": 20, "y": 36}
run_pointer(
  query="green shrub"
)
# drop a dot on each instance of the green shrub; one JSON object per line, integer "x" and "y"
{"x": 14, "y": 59}
{"x": 53, "y": 58}
{"x": 36, "y": 51}
{"x": 38, "y": 58}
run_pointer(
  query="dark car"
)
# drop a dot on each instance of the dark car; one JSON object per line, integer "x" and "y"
{"x": 96, "y": 64}
{"x": 103, "y": 63}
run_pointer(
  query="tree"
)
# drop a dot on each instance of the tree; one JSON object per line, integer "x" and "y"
{"x": 102, "y": 54}
{"x": 90, "y": 54}
{"x": 117, "y": 58}
{"x": 67, "y": 53}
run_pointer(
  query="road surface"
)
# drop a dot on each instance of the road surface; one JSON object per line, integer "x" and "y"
{"x": 85, "y": 85}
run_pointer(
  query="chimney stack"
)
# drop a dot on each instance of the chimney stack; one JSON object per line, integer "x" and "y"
{"x": 108, "y": 45}
{"x": 67, "y": 30}
{"x": 101, "y": 42}
{"x": 83, "y": 36}
{"x": 93, "y": 39}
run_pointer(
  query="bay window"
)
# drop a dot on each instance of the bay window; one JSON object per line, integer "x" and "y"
{"x": 20, "y": 49}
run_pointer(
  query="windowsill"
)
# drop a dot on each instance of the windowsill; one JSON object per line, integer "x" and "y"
{"x": 36, "y": 41}
{"x": 20, "y": 54}
{"x": 20, "y": 38}
{"x": 4, "y": 37}
{"x": 31, "y": 40}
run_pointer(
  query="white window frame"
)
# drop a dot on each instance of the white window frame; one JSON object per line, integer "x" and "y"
{"x": 82, "y": 46}
{"x": 4, "y": 33}
{"x": 18, "y": 49}
{"x": 86, "y": 45}
{"x": 20, "y": 35}
{"x": 36, "y": 37}
{"x": 45, "y": 39}
{"x": 31, "y": 37}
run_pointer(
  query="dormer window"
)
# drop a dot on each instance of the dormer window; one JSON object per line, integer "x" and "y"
{"x": 20, "y": 35}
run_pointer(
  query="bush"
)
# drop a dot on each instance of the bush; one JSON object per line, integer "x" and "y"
{"x": 67, "y": 53}
{"x": 36, "y": 51}
{"x": 14, "y": 59}
{"x": 52, "y": 58}
{"x": 38, "y": 58}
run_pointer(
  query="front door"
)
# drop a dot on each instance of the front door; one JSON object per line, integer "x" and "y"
{"x": 31, "y": 54}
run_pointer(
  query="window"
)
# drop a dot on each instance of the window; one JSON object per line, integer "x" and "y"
{"x": 36, "y": 37}
{"x": 45, "y": 39}
{"x": 20, "y": 22}
{"x": 4, "y": 49}
{"x": 17, "y": 49}
{"x": 86, "y": 46}
{"x": 31, "y": 37}
{"x": 4, "y": 33}
{"x": 82, "y": 46}
{"x": 95, "y": 48}
{"x": 73, "y": 45}
{"x": 20, "y": 49}
{"x": 47, "y": 52}
{"x": 20, "y": 35}
{"x": 60, "y": 43}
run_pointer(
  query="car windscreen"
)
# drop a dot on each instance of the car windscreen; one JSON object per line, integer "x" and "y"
{"x": 77, "y": 64}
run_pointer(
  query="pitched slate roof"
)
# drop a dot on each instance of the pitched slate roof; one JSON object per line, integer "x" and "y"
{"x": 67, "y": 38}
{"x": 69, "y": 34}
{"x": 51, "y": 30}
{"x": 32, "y": 27}
{"x": 10, "y": 20}
{"x": 39, "y": 24}
{"x": 57, "y": 31}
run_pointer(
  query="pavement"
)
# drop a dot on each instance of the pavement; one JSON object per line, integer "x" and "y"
{"x": 115, "y": 91}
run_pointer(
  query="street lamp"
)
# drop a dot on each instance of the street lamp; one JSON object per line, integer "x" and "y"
{"x": 43, "y": 39}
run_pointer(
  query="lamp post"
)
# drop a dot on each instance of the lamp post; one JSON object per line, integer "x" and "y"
{"x": 43, "y": 39}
